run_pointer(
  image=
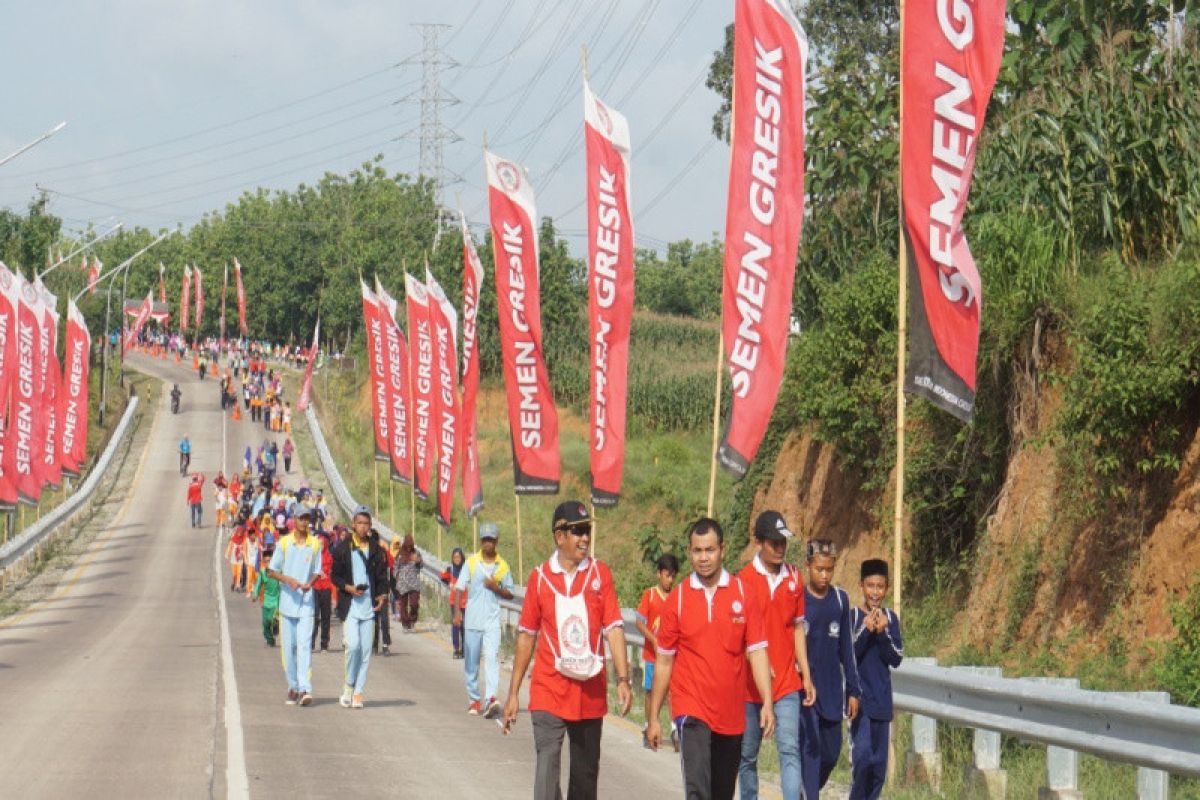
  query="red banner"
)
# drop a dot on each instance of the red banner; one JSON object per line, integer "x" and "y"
{"x": 610, "y": 290}
{"x": 49, "y": 376}
{"x": 241, "y": 297}
{"x": 951, "y": 55}
{"x": 224, "y": 291}
{"x": 445, "y": 360}
{"x": 395, "y": 351}
{"x": 763, "y": 217}
{"x": 10, "y": 299}
{"x": 93, "y": 275}
{"x": 199, "y": 298}
{"x": 306, "y": 385}
{"x": 24, "y": 440}
{"x": 373, "y": 326}
{"x": 420, "y": 379}
{"x": 472, "y": 483}
{"x": 73, "y": 401}
{"x": 185, "y": 291}
{"x": 532, "y": 417}
{"x": 143, "y": 315}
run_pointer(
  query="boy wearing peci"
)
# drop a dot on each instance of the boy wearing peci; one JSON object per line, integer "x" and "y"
{"x": 879, "y": 650}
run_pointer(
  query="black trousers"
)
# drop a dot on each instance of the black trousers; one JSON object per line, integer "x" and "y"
{"x": 321, "y": 622}
{"x": 710, "y": 761}
{"x": 382, "y": 628}
{"x": 584, "y": 735}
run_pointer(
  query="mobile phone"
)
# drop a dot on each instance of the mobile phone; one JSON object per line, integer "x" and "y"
{"x": 362, "y": 587}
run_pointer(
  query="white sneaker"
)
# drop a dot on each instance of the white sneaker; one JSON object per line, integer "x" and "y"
{"x": 344, "y": 700}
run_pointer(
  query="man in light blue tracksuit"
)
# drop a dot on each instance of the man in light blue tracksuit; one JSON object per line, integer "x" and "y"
{"x": 296, "y": 563}
{"x": 360, "y": 575}
{"x": 487, "y": 580}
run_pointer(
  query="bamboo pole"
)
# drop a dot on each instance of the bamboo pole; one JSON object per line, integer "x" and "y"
{"x": 716, "y": 425}
{"x": 592, "y": 538}
{"x": 439, "y": 539}
{"x": 392, "y": 501}
{"x": 475, "y": 532}
{"x": 375, "y": 478}
{"x": 901, "y": 355}
{"x": 520, "y": 545}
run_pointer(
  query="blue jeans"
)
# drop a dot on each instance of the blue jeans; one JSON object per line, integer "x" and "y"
{"x": 197, "y": 511}
{"x": 296, "y": 636}
{"x": 488, "y": 643}
{"x": 357, "y": 638}
{"x": 869, "y": 753}
{"x": 787, "y": 739}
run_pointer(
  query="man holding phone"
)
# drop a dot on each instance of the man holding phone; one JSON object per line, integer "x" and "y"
{"x": 360, "y": 573}
{"x": 296, "y": 563}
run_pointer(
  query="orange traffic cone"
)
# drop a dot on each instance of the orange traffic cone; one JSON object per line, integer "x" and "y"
{"x": 237, "y": 414}
{"x": 177, "y": 357}
{"x": 195, "y": 363}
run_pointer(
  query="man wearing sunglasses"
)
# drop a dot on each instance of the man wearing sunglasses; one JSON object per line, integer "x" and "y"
{"x": 570, "y": 601}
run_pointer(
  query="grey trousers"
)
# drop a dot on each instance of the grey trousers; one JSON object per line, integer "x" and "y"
{"x": 584, "y": 736}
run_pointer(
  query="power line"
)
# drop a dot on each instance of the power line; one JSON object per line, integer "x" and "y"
{"x": 666, "y": 190}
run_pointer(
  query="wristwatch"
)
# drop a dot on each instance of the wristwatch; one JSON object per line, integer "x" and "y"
{"x": 622, "y": 680}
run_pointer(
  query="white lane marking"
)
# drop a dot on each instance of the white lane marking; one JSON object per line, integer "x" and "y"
{"x": 237, "y": 783}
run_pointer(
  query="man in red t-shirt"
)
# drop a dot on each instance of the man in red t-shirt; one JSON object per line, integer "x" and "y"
{"x": 195, "y": 498}
{"x": 570, "y": 601}
{"x": 779, "y": 591}
{"x": 712, "y": 628}
{"x": 649, "y": 612}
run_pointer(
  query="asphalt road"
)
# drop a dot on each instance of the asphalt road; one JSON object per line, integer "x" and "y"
{"x": 123, "y": 684}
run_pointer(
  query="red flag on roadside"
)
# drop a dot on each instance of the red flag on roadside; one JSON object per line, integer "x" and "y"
{"x": 26, "y": 432}
{"x": 532, "y": 417}
{"x": 10, "y": 301}
{"x": 421, "y": 377}
{"x": 306, "y": 385}
{"x": 93, "y": 275}
{"x": 241, "y": 297}
{"x": 49, "y": 376}
{"x": 143, "y": 314}
{"x": 224, "y": 291}
{"x": 445, "y": 359}
{"x": 610, "y": 290}
{"x": 399, "y": 412}
{"x": 185, "y": 299}
{"x": 472, "y": 483}
{"x": 377, "y": 364}
{"x": 199, "y": 298}
{"x": 73, "y": 401}
{"x": 949, "y": 68}
{"x": 763, "y": 217}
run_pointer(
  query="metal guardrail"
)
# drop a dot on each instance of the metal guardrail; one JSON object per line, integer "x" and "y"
{"x": 1131, "y": 728}
{"x": 25, "y": 543}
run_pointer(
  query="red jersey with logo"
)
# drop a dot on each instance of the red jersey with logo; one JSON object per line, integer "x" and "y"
{"x": 550, "y": 690}
{"x": 649, "y": 611}
{"x": 781, "y": 598}
{"x": 710, "y": 639}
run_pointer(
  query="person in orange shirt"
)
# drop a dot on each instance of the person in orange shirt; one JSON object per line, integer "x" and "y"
{"x": 780, "y": 594}
{"x": 712, "y": 630}
{"x": 648, "y": 612}
{"x": 571, "y": 604}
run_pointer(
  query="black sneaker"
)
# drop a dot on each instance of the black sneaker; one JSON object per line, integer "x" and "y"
{"x": 293, "y": 697}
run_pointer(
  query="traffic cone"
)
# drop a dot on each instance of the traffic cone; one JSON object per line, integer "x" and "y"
{"x": 237, "y": 414}
{"x": 176, "y": 357}
{"x": 195, "y": 363}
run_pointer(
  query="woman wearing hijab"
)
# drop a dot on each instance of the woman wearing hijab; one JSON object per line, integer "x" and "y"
{"x": 458, "y": 598}
{"x": 407, "y": 575}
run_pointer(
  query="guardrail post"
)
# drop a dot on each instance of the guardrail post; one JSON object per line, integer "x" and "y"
{"x": 984, "y": 777}
{"x": 923, "y": 762}
{"x": 1062, "y": 765}
{"x": 1152, "y": 784}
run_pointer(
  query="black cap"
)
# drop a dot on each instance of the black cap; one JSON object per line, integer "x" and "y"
{"x": 770, "y": 525}
{"x": 873, "y": 566}
{"x": 570, "y": 514}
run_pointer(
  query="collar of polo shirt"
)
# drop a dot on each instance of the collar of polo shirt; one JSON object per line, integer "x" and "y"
{"x": 773, "y": 581}
{"x": 555, "y": 566}
{"x": 722, "y": 582}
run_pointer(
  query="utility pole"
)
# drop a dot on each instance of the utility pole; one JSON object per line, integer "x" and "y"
{"x": 432, "y": 134}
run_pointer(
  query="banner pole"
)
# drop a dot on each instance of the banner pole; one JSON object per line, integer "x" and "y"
{"x": 475, "y": 533}
{"x": 375, "y": 479}
{"x": 520, "y": 547}
{"x": 901, "y": 355}
{"x": 716, "y": 425}
{"x": 592, "y": 514}
{"x": 392, "y": 501}
{"x": 439, "y": 539}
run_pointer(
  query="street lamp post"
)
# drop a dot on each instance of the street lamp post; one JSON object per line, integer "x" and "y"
{"x": 38, "y": 140}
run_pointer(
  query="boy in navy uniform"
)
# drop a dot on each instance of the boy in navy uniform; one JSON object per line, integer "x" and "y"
{"x": 834, "y": 669}
{"x": 878, "y": 649}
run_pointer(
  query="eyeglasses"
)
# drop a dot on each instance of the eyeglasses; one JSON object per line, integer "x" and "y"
{"x": 576, "y": 530}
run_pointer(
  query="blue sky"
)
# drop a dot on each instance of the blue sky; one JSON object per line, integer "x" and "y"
{"x": 175, "y": 107}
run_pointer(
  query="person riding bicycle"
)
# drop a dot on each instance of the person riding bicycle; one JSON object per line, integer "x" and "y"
{"x": 185, "y": 454}
{"x": 175, "y": 395}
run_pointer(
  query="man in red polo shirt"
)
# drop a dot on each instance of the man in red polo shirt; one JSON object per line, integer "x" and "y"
{"x": 712, "y": 627}
{"x": 570, "y": 601}
{"x": 780, "y": 594}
